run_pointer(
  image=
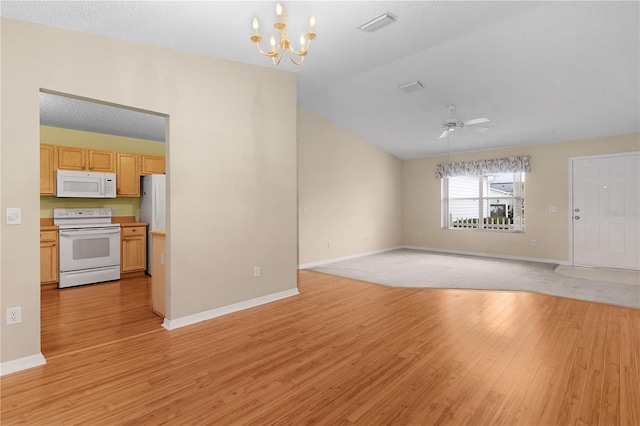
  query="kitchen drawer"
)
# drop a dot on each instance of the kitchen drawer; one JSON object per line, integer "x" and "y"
{"x": 132, "y": 231}
{"x": 48, "y": 236}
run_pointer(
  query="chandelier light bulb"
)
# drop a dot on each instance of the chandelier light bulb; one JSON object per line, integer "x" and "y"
{"x": 312, "y": 22}
{"x": 255, "y": 23}
{"x": 301, "y": 41}
{"x": 278, "y": 9}
{"x": 273, "y": 43}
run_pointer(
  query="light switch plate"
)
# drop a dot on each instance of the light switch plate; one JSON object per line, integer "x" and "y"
{"x": 14, "y": 215}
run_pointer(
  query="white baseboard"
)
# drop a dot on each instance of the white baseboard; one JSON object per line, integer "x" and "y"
{"x": 240, "y": 306}
{"x": 351, "y": 256}
{"x": 22, "y": 364}
{"x": 492, "y": 255}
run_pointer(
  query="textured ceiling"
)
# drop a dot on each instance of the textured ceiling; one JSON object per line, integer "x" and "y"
{"x": 78, "y": 114}
{"x": 540, "y": 71}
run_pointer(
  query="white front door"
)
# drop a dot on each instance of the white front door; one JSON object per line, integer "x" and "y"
{"x": 606, "y": 211}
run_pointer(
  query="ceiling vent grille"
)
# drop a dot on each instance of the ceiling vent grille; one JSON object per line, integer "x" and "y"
{"x": 379, "y": 22}
{"x": 411, "y": 87}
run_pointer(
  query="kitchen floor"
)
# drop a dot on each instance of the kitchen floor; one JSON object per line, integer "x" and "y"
{"x": 86, "y": 317}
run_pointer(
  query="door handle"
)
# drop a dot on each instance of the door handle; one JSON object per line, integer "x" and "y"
{"x": 577, "y": 210}
{"x": 577, "y": 217}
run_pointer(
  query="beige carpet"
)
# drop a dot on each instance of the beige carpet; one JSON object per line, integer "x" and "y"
{"x": 415, "y": 268}
{"x": 620, "y": 276}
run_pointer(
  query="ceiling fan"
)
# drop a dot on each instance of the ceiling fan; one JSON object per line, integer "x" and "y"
{"x": 454, "y": 123}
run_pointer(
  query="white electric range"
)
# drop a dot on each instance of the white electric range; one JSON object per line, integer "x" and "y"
{"x": 89, "y": 246}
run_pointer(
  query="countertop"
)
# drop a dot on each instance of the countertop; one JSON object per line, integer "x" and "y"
{"x": 129, "y": 224}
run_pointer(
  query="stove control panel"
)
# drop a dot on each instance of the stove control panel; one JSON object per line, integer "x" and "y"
{"x": 65, "y": 213}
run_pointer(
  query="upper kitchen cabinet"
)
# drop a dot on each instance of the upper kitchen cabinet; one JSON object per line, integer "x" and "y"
{"x": 128, "y": 175}
{"x": 48, "y": 157}
{"x": 152, "y": 164}
{"x": 73, "y": 158}
{"x": 101, "y": 161}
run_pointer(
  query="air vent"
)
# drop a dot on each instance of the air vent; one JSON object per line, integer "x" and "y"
{"x": 411, "y": 87}
{"x": 376, "y": 23}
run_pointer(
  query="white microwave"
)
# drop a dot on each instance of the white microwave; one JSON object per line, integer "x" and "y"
{"x": 71, "y": 184}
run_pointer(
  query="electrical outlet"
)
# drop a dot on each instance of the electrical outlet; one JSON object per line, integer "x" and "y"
{"x": 14, "y": 316}
{"x": 329, "y": 243}
{"x": 533, "y": 243}
{"x": 114, "y": 211}
{"x": 256, "y": 271}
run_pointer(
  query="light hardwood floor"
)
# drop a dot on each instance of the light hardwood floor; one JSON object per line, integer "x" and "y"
{"x": 347, "y": 352}
{"x": 77, "y": 318}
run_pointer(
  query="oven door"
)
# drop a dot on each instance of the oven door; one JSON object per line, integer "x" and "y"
{"x": 86, "y": 248}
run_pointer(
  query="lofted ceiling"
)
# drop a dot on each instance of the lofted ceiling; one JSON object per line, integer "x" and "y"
{"x": 540, "y": 71}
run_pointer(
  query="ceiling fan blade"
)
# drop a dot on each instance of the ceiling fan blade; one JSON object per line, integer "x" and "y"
{"x": 443, "y": 134}
{"x": 476, "y": 121}
{"x": 478, "y": 128}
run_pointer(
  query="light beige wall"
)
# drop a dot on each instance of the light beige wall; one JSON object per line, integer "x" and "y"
{"x": 126, "y": 206}
{"x": 231, "y": 154}
{"x": 351, "y": 189}
{"x": 546, "y": 185}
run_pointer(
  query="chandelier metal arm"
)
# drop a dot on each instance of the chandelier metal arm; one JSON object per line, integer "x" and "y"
{"x": 269, "y": 54}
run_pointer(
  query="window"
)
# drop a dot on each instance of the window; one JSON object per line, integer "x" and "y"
{"x": 493, "y": 201}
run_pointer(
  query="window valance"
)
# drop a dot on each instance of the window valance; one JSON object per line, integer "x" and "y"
{"x": 482, "y": 167}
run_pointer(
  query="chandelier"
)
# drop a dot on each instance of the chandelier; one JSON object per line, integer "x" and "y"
{"x": 284, "y": 45}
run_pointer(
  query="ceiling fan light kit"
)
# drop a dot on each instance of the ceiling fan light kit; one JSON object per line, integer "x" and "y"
{"x": 284, "y": 45}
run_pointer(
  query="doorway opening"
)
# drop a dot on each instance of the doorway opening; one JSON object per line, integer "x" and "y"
{"x": 82, "y": 134}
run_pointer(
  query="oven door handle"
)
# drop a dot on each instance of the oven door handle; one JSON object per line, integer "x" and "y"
{"x": 70, "y": 233}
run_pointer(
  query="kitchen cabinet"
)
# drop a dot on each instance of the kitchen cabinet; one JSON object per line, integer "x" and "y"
{"x": 71, "y": 158}
{"x": 133, "y": 250}
{"x": 81, "y": 159}
{"x": 128, "y": 175}
{"x": 158, "y": 279}
{"x": 152, "y": 164}
{"x": 101, "y": 161}
{"x": 48, "y": 159}
{"x": 127, "y": 166}
{"x": 48, "y": 256}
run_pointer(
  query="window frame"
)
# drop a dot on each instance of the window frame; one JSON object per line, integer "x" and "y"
{"x": 483, "y": 198}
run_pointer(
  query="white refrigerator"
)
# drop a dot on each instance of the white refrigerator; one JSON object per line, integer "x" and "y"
{"x": 153, "y": 207}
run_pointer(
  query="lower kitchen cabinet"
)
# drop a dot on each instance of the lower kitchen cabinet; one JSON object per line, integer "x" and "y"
{"x": 133, "y": 250}
{"x": 48, "y": 257}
